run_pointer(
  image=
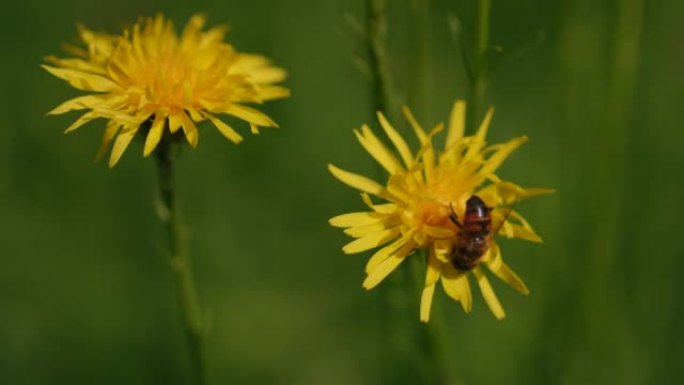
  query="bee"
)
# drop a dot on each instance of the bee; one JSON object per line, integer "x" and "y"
{"x": 475, "y": 236}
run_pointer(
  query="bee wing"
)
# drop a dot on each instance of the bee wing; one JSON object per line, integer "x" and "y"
{"x": 500, "y": 216}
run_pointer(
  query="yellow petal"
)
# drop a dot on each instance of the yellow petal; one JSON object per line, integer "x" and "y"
{"x": 190, "y": 130}
{"x": 438, "y": 232}
{"x": 378, "y": 150}
{"x": 456, "y": 124}
{"x": 386, "y": 267}
{"x": 249, "y": 115}
{"x": 273, "y": 92}
{"x": 355, "y": 219}
{"x": 488, "y": 294}
{"x": 426, "y": 302}
{"x": 385, "y": 208}
{"x": 534, "y": 191}
{"x": 397, "y": 140}
{"x": 385, "y": 252}
{"x": 427, "y": 152}
{"x": 225, "y": 129}
{"x": 520, "y": 232}
{"x": 363, "y": 230}
{"x": 442, "y": 249}
{"x": 513, "y": 230}
{"x": 77, "y": 64}
{"x": 79, "y": 103}
{"x": 110, "y": 132}
{"x": 85, "y": 118}
{"x": 194, "y": 114}
{"x": 175, "y": 122}
{"x": 434, "y": 268}
{"x": 371, "y": 241}
{"x": 358, "y": 182}
{"x": 266, "y": 75}
{"x": 501, "y": 270}
{"x": 457, "y": 287}
{"x": 122, "y": 141}
{"x": 479, "y": 138}
{"x": 83, "y": 80}
{"x": 417, "y": 128}
{"x": 154, "y": 135}
{"x": 494, "y": 161}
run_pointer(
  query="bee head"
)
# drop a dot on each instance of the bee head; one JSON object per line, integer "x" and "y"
{"x": 474, "y": 202}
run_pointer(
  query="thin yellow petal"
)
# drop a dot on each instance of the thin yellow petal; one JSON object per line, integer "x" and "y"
{"x": 488, "y": 294}
{"x": 175, "y": 122}
{"x": 434, "y": 268}
{"x": 85, "y": 118}
{"x": 371, "y": 241}
{"x": 355, "y": 219}
{"x": 363, "y": 230}
{"x": 479, "y": 139}
{"x": 83, "y": 80}
{"x": 427, "y": 151}
{"x": 120, "y": 144}
{"x": 358, "y": 182}
{"x": 442, "y": 248}
{"x": 225, "y": 129}
{"x": 456, "y": 286}
{"x": 494, "y": 161}
{"x": 155, "y": 134}
{"x": 506, "y": 274}
{"x": 426, "y": 302}
{"x": 386, "y": 252}
{"x": 79, "y": 103}
{"x": 505, "y": 193}
{"x": 517, "y": 231}
{"x": 378, "y": 150}
{"x": 386, "y": 267}
{"x": 397, "y": 140}
{"x": 249, "y": 115}
{"x": 456, "y": 124}
{"x": 190, "y": 130}
{"x": 385, "y": 208}
{"x": 417, "y": 128}
{"x": 110, "y": 132}
{"x": 273, "y": 92}
{"x": 438, "y": 232}
{"x": 76, "y": 64}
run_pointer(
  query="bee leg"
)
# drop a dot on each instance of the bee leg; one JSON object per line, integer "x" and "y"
{"x": 453, "y": 217}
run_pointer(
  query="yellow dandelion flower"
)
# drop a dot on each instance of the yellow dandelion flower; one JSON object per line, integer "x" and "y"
{"x": 151, "y": 78}
{"x": 426, "y": 198}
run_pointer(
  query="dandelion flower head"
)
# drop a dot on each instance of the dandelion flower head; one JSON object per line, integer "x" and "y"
{"x": 422, "y": 191}
{"x": 153, "y": 81}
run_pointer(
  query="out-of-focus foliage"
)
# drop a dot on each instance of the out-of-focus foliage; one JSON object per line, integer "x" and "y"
{"x": 86, "y": 296}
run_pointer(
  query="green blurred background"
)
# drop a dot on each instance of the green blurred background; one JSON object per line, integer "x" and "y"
{"x": 85, "y": 296}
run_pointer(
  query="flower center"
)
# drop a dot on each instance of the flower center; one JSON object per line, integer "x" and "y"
{"x": 432, "y": 213}
{"x": 168, "y": 81}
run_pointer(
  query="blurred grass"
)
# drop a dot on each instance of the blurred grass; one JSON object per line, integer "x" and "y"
{"x": 86, "y": 298}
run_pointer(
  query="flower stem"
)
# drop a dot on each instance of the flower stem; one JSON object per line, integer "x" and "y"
{"x": 378, "y": 59}
{"x": 480, "y": 71}
{"x": 433, "y": 335}
{"x": 180, "y": 264}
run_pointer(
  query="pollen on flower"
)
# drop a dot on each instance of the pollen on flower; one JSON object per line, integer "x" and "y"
{"x": 431, "y": 213}
{"x": 153, "y": 78}
{"x": 424, "y": 208}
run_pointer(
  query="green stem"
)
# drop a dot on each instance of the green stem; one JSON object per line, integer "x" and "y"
{"x": 419, "y": 59}
{"x": 180, "y": 263}
{"x": 480, "y": 70}
{"x": 378, "y": 58}
{"x": 432, "y": 335}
